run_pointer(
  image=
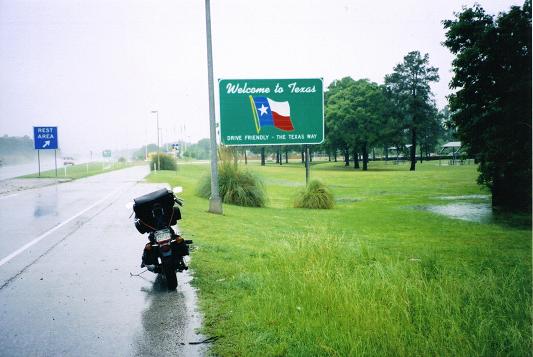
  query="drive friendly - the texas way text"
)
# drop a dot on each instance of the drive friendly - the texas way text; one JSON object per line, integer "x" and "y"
{"x": 266, "y": 137}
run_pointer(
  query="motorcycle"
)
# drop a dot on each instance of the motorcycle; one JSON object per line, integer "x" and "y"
{"x": 155, "y": 214}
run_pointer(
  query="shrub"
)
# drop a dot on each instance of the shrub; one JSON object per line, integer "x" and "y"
{"x": 168, "y": 162}
{"x": 315, "y": 195}
{"x": 236, "y": 186}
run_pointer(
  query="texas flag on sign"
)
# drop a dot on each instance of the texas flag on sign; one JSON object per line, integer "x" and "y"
{"x": 268, "y": 112}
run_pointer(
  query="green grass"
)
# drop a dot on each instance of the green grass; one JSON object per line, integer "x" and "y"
{"x": 80, "y": 171}
{"x": 372, "y": 277}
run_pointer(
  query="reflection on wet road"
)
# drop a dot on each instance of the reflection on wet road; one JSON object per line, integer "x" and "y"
{"x": 71, "y": 292}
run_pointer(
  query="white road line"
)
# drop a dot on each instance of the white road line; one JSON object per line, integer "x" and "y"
{"x": 44, "y": 235}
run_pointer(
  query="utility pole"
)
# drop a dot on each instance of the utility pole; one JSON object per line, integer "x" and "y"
{"x": 158, "y": 160}
{"x": 215, "y": 203}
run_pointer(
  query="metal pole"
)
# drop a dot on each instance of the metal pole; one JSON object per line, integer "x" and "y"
{"x": 158, "y": 160}
{"x": 55, "y": 160}
{"x": 146, "y": 144}
{"x": 158, "y": 153}
{"x": 215, "y": 203}
{"x": 39, "y": 161}
{"x": 306, "y": 165}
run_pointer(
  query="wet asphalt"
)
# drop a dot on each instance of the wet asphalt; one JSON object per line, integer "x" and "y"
{"x": 66, "y": 254}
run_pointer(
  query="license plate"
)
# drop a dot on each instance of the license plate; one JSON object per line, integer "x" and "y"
{"x": 162, "y": 235}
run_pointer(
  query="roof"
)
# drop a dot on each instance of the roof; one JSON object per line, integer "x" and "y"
{"x": 452, "y": 144}
{"x": 395, "y": 148}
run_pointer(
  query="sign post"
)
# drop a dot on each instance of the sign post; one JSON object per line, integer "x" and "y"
{"x": 45, "y": 138}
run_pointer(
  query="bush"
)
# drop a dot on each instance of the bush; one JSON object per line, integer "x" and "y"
{"x": 236, "y": 186}
{"x": 315, "y": 195}
{"x": 168, "y": 162}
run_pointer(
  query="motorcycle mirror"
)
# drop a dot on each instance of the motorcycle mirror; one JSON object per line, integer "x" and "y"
{"x": 129, "y": 205}
{"x": 177, "y": 189}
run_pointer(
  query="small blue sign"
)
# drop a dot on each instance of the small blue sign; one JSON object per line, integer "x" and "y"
{"x": 45, "y": 137}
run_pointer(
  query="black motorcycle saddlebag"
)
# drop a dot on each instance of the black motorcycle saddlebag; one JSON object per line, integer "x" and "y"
{"x": 162, "y": 200}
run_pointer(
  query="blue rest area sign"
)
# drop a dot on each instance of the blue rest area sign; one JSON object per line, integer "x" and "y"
{"x": 45, "y": 137}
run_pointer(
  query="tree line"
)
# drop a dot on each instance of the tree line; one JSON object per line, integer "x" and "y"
{"x": 361, "y": 115}
{"x": 489, "y": 111}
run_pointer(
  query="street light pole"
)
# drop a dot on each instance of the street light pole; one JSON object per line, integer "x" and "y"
{"x": 158, "y": 160}
{"x": 145, "y": 143}
{"x": 215, "y": 203}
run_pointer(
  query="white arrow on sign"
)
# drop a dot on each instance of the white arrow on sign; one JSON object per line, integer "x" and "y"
{"x": 46, "y": 143}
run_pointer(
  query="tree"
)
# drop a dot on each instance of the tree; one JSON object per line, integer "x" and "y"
{"x": 409, "y": 87}
{"x": 355, "y": 116}
{"x": 15, "y": 150}
{"x": 140, "y": 154}
{"x": 334, "y": 117}
{"x": 201, "y": 150}
{"x": 491, "y": 108}
{"x": 431, "y": 132}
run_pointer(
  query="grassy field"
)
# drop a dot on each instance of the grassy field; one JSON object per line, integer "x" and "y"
{"x": 81, "y": 170}
{"x": 381, "y": 274}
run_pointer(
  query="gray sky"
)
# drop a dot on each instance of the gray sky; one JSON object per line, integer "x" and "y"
{"x": 97, "y": 68}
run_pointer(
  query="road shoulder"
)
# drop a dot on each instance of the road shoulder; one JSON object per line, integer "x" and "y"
{"x": 10, "y": 186}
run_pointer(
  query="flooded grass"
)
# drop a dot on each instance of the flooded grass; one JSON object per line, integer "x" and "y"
{"x": 465, "y": 197}
{"x": 472, "y": 212}
{"x": 347, "y": 199}
{"x": 365, "y": 279}
{"x": 478, "y": 209}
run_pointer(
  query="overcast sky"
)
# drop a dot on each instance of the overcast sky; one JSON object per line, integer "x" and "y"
{"x": 96, "y": 69}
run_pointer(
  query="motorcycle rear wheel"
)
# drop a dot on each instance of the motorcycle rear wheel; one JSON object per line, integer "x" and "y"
{"x": 170, "y": 275}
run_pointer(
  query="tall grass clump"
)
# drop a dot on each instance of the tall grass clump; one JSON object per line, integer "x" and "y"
{"x": 236, "y": 186}
{"x": 168, "y": 162}
{"x": 315, "y": 195}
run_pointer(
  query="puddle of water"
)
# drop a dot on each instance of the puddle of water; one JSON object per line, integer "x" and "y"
{"x": 347, "y": 199}
{"x": 285, "y": 182}
{"x": 472, "y": 212}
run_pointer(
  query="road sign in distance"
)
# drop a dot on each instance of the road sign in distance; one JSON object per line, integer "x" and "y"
{"x": 271, "y": 111}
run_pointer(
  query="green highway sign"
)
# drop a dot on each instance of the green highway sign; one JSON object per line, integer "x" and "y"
{"x": 106, "y": 153}
{"x": 271, "y": 111}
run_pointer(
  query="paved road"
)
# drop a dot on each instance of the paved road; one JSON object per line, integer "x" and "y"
{"x": 66, "y": 253}
{"x": 11, "y": 171}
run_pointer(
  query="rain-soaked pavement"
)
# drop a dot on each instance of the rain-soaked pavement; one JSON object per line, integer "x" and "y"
{"x": 66, "y": 254}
